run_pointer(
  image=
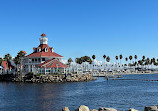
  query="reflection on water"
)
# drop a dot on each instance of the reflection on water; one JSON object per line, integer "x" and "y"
{"x": 120, "y": 94}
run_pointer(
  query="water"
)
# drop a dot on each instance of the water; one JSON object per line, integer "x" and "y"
{"x": 119, "y": 94}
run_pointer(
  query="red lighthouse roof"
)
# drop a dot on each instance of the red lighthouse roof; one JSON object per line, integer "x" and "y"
{"x": 43, "y": 50}
{"x": 44, "y": 35}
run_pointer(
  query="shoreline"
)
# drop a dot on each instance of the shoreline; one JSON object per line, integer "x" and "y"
{"x": 117, "y": 74}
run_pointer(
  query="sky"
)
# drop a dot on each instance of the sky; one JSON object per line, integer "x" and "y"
{"x": 77, "y": 28}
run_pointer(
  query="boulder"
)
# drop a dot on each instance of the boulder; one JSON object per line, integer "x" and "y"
{"x": 132, "y": 109}
{"x": 83, "y": 108}
{"x": 150, "y": 108}
{"x": 94, "y": 110}
{"x": 65, "y": 109}
{"x": 106, "y": 109}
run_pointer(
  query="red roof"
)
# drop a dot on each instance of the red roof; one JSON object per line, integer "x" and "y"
{"x": 7, "y": 65}
{"x": 52, "y": 64}
{"x": 43, "y": 35}
{"x": 4, "y": 64}
{"x": 24, "y": 52}
{"x": 42, "y": 53}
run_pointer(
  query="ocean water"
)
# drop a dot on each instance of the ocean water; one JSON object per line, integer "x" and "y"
{"x": 119, "y": 94}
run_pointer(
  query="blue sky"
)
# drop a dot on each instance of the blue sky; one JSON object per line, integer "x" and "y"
{"x": 81, "y": 27}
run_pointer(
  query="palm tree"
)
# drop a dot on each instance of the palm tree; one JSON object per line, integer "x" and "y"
{"x": 78, "y": 60}
{"x": 154, "y": 61}
{"x": 93, "y": 57}
{"x": 116, "y": 60}
{"x": 104, "y": 56}
{"x": 69, "y": 61}
{"x": 108, "y": 59}
{"x": 18, "y": 58}
{"x": 143, "y": 58}
{"x": 130, "y": 58}
{"x": 148, "y": 62}
{"x": 1, "y": 59}
{"x": 126, "y": 59}
{"x": 135, "y": 56}
{"x": 120, "y": 58}
{"x": 7, "y": 57}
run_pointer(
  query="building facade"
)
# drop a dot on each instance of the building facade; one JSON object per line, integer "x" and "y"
{"x": 43, "y": 59}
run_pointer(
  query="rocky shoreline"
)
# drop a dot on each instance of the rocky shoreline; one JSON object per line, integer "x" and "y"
{"x": 54, "y": 78}
{"x": 85, "y": 108}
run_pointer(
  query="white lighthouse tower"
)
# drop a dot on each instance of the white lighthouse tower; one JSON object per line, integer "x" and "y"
{"x": 43, "y": 40}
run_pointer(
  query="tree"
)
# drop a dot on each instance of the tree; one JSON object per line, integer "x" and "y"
{"x": 126, "y": 59}
{"x": 140, "y": 62}
{"x": 154, "y": 61}
{"x": 104, "y": 57}
{"x": 1, "y": 61}
{"x": 108, "y": 59}
{"x": 83, "y": 59}
{"x": 69, "y": 61}
{"x": 148, "y": 62}
{"x": 116, "y": 57}
{"x": 143, "y": 58}
{"x": 93, "y": 57}
{"x": 7, "y": 57}
{"x": 135, "y": 57}
{"x": 18, "y": 58}
{"x": 121, "y": 58}
{"x": 130, "y": 58}
{"x": 78, "y": 60}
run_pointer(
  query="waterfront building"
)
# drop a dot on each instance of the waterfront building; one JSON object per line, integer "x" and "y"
{"x": 7, "y": 68}
{"x": 43, "y": 59}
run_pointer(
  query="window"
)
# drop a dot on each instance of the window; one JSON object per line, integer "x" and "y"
{"x": 46, "y": 49}
{"x": 34, "y": 50}
{"x": 35, "y": 60}
{"x": 39, "y": 60}
{"x": 43, "y": 59}
{"x": 38, "y": 50}
{"x": 32, "y": 60}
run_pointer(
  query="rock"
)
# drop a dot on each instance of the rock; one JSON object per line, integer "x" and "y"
{"x": 94, "y": 110}
{"x": 65, "y": 109}
{"x": 132, "y": 109}
{"x": 83, "y": 108}
{"x": 106, "y": 109}
{"x": 150, "y": 108}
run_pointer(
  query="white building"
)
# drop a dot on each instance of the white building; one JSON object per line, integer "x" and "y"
{"x": 43, "y": 59}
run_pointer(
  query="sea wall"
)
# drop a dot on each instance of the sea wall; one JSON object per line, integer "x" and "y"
{"x": 55, "y": 78}
{"x": 85, "y": 108}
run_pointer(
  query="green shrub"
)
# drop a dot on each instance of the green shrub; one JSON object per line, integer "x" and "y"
{"x": 39, "y": 74}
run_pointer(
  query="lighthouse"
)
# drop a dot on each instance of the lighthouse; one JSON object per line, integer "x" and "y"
{"x": 43, "y": 39}
{"x": 43, "y": 59}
